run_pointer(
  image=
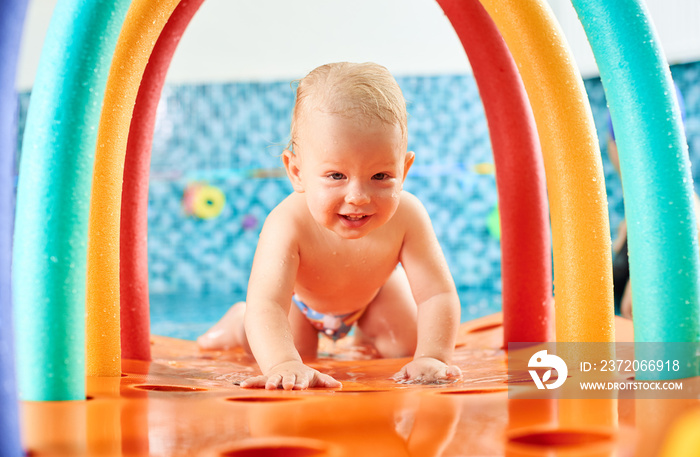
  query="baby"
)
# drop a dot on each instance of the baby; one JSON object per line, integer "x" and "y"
{"x": 329, "y": 254}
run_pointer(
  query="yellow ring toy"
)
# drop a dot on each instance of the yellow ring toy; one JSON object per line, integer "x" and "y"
{"x": 208, "y": 202}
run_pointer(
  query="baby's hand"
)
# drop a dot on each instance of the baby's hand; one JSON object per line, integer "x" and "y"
{"x": 427, "y": 370}
{"x": 291, "y": 375}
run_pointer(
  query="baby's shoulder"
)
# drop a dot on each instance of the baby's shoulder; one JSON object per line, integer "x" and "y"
{"x": 283, "y": 227}
{"x": 289, "y": 213}
{"x": 410, "y": 206}
{"x": 411, "y": 216}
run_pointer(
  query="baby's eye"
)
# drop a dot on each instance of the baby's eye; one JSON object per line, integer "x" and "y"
{"x": 336, "y": 176}
{"x": 380, "y": 176}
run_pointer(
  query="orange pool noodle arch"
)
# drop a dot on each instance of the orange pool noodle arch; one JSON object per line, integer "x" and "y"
{"x": 574, "y": 170}
{"x": 142, "y": 26}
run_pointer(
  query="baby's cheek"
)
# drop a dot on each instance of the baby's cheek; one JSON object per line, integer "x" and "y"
{"x": 390, "y": 197}
{"x": 387, "y": 192}
{"x": 329, "y": 203}
{"x": 322, "y": 209}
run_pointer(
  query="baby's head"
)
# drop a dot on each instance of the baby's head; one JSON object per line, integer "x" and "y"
{"x": 348, "y": 148}
{"x": 354, "y": 90}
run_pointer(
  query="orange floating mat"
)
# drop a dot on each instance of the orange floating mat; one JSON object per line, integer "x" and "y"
{"x": 186, "y": 402}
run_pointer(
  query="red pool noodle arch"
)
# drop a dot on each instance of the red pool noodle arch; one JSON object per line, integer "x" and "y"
{"x": 526, "y": 261}
{"x": 133, "y": 257}
{"x": 526, "y": 265}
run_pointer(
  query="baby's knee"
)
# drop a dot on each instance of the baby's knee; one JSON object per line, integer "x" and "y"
{"x": 393, "y": 351}
{"x": 228, "y": 333}
{"x": 390, "y": 345}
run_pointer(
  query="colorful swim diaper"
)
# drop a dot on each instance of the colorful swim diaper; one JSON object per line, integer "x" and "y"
{"x": 334, "y": 326}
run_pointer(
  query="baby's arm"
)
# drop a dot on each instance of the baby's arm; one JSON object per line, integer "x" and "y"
{"x": 436, "y": 296}
{"x": 266, "y": 321}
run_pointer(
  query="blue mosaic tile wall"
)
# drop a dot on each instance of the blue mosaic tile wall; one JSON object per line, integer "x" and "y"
{"x": 227, "y": 134}
{"x": 231, "y": 136}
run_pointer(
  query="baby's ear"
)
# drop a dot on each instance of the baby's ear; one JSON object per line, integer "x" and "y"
{"x": 292, "y": 165}
{"x": 408, "y": 161}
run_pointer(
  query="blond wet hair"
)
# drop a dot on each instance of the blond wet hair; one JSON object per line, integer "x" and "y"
{"x": 367, "y": 90}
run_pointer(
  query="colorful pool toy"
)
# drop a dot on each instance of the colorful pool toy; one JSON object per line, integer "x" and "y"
{"x": 203, "y": 201}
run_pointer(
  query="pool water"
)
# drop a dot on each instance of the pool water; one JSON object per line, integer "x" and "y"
{"x": 187, "y": 316}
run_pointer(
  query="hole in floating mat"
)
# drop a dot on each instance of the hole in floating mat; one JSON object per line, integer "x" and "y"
{"x": 485, "y": 328}
{"x": 157, "y": 388}
{"x": 252, "y": 399}
{"x": 276, "y": 446}
{"x": 474, "y": 391}
{"x": 281, "y": 450}
{"x": 561, "y": 438}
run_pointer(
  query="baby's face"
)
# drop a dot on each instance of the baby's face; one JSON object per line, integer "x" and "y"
{"x": 352, "y": 171}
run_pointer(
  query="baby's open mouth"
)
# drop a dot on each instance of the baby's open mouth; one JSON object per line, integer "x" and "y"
{"x": 353, "y": 217}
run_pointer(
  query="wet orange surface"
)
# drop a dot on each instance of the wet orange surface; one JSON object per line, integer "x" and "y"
{"x": 187, "y": 403}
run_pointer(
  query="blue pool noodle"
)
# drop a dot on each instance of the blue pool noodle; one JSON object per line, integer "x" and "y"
{"x": 53, "y": 197}
{"x": 12, "y": 14}
{"x": 655, "y": 167}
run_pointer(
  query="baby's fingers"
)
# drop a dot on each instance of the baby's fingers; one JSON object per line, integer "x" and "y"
{"x": 427, "y": 371}
{"x": 254, "y": 382}
{"x": 292, "y": 381}
{"x": 273, "y": 381}
{"x": 324, "y": 380}
{"x": 289, "y": 380}
{"x": 401, "y": 374}
{"x": 268, "y": 382}
{"x": 453, "y": 371}
{"x": 442, "y": 373}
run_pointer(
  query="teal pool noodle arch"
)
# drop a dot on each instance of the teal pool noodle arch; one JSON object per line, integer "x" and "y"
{"x": 655, "y": 168}
{"x": 53, "y": 197}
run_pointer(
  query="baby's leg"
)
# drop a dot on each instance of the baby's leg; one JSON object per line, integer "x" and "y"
{"x": 390, "y": 321}
{"x": 305, "y": 335}
{"x": 228, "y": 333}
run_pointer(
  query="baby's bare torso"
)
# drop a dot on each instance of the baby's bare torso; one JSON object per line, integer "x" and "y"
{"x": 337, "y": 275}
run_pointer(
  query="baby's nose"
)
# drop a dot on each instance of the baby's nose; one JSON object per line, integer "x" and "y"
{"x": 357, "y": 196}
